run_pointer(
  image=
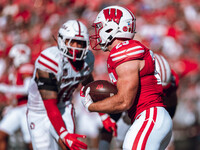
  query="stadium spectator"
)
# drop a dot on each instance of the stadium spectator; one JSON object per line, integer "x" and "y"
{"x": 15, "y": 118}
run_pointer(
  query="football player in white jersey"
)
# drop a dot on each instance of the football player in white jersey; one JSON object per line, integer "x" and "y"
{"x": 58, "y": 72}
{"x": 15, "y": 118}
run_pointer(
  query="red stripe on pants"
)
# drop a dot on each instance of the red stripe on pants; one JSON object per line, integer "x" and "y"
{"x": 135, "y": 144}
{"x": 138, "y": 136}
{"x": 150, "y": 128}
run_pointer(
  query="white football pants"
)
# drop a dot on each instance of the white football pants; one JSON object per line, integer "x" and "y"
{"x": 151, "y": 130}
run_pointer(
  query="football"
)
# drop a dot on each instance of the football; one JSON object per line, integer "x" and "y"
{"x": 100, "y": 89}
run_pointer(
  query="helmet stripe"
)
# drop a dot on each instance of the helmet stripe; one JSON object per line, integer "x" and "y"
{"x": 79, "y": 29}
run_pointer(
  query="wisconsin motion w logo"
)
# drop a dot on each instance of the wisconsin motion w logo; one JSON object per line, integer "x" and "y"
{"x": 113, "y": 14}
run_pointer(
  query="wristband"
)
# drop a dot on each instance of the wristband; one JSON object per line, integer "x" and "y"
{"x": 63, "y": 134}
{"x": 104, "y": 117}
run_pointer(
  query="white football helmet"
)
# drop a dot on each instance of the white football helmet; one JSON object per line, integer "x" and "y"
{"x": 163, "y": 68}
{"x": 112, "y": 22}
{"x": 20, "y": 53}
{"x": 70, "y": 32}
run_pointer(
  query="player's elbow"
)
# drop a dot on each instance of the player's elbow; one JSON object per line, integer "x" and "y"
{"x": 125, "y": 105}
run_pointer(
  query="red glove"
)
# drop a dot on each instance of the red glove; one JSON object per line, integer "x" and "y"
{"x": 72, "y": 142}
{"x": 108, "y": 123}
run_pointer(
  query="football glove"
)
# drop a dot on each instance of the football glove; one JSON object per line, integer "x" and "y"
{"x": 108, "y": 123}
{"x": 87, "y": 101}
{"x": 72, "y": 142}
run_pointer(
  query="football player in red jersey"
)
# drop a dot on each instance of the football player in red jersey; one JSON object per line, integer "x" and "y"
{"x": 131, "y": 66}
{"x": 58, "y": 72}
{"x": 170, "y": 82}
{"x": 15, "y": 118}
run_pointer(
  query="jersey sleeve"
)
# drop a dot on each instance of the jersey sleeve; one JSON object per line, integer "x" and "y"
{"x": 164, "y": 70}
{"x": 133, "y": 50}
{"x": 48, "y": 61}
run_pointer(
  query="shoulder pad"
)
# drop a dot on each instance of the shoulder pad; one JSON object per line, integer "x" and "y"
{"x": 49, "y": 60}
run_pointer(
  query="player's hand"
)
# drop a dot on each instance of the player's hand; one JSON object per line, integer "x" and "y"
{"x": 109, "y": 124}
{"x": 72, "y": 142}
{"x": 87, "y": 101}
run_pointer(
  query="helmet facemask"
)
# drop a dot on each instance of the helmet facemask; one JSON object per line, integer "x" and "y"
{"x": 102, "y": 36}
{"x": 73, "y": 42}
{"x": 73, "y": 51}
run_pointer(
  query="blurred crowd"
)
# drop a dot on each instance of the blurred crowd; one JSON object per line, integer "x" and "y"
{"x": 170, "y": 27}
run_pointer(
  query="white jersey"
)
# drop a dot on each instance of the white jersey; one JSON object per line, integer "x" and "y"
{"x": 53, "y": 61}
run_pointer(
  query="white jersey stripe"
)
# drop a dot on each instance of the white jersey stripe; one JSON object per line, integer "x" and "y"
{"x": 48, "y": 63}
{"x": 135, "y": 53}
{"x": 117, "y": 53}
{"x": 130, "y": 49}
{"x": 129, "y": 54}
{"x": 160, "y": 64}
{"x": 164, "y": 69}
{"x": 120, "y": 57}
{"x": 133, "y": 48}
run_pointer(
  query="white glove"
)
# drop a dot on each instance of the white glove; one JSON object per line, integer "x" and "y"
{"x": 87, "y": 101}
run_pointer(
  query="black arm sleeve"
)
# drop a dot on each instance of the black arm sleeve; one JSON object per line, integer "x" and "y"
{"x": 49, "y": 84}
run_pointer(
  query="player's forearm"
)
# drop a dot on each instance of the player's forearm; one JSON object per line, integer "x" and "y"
{"x": 15, "y": 89}
{"x": 114, "y": 104}
{"x": 54, "y": 115}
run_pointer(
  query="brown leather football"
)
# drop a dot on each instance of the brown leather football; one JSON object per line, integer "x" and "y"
{"x": 100, "y": 89}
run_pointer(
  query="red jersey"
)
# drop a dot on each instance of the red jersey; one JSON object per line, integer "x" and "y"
{"x": 24, "y": 72}
{"x": 150, "y": 88}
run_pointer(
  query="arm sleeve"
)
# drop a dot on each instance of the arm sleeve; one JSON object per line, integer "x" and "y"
{"x": 54, "y": 115}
